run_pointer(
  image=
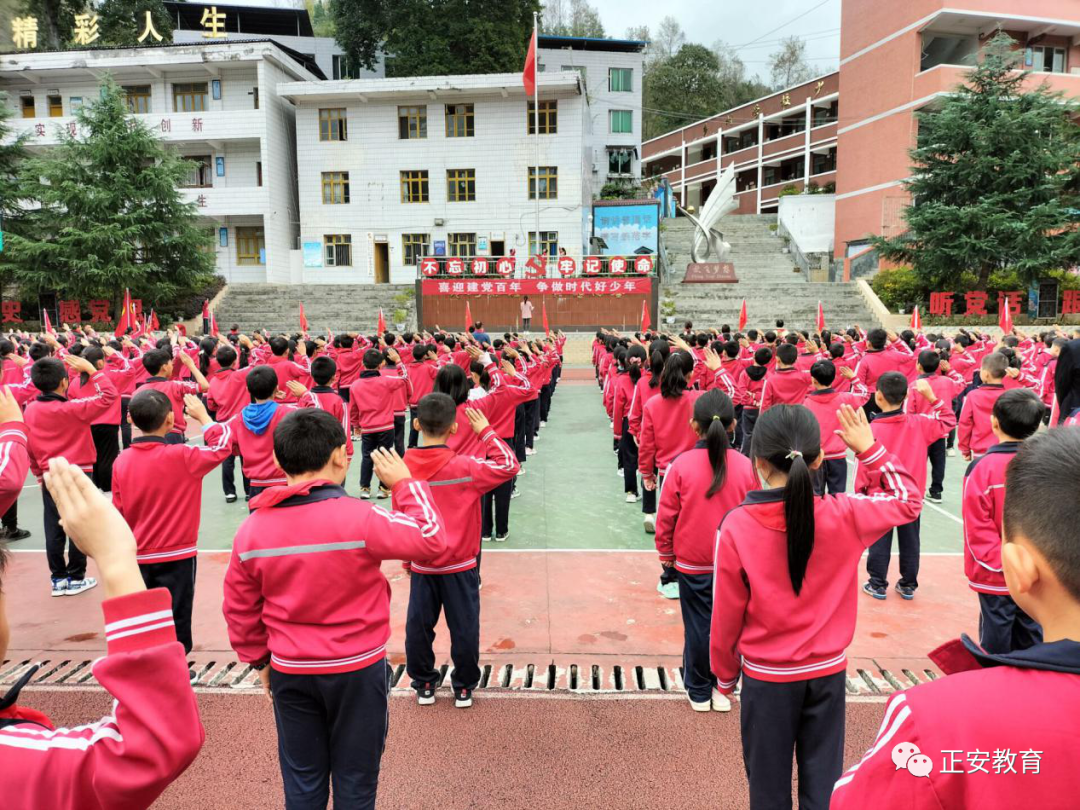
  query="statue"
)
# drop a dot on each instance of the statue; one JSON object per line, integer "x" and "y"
{"x": 721, "y": 201}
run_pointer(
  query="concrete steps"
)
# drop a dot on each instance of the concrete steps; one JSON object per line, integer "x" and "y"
{"x": 338, "y": 307}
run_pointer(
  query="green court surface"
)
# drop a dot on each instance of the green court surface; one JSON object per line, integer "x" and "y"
{"x": 571, "y": 497}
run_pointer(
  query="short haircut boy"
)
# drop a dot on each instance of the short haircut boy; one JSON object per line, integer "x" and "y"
{"x": 1019, "y": 413}
{"x": 261, "y": 382}
{"x": 995, "y": 365}
{"x": 305, "y": 439}
{"x": 929, "y": 361}
{"x": 876, "y": 338}
{"x": 893, "y": 386}
{"x": 373, "y": 358}
{"x": 47, "y": 373}
{"x": 323, "y": 370}
{"x": 787, "y": 354}
{"x": 436, "y": 413}
{"x": 824, "y": 372}
{"x": 148, "y": 409}
{"x": 154, "y": 361}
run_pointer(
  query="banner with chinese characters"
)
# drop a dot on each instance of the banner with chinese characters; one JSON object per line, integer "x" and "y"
{"x": 974, "y": 304}
{"x": 541, "y": 286}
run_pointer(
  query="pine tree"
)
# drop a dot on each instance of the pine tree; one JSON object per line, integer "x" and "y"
{"x": 12, "y": 154}
{"x": 995, "y": 179}
{"x": 122, "y": 22}
{"x": 105, "y": 213}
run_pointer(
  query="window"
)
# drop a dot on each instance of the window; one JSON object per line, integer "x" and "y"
{"x": 1048, "y": 60}
{"x": 255, "y": 97}
{"x": 549, "y": 243}
{"x": 462, "y": 245}
{"x": 258, "y": 172}
{"x": 823, "y": 163}
{"x": 459, "y": 121}
{"x": 335, "y": 188}
{"x": 549, "y": 117}
{"x": 412, "y": 122}
{"x": 74, "y": 103}
{"x": 621, "y": 120}
{"x": 338, "y": 249}
{"x": 137, "y": 97}
{"x": 250, "y": 245}
{"x": 620, "y": 80}
{"x": 28, "y": 110}
{"x": 461, "y": 185}
{"x": 333, "y": 126}
{"x": 414, "y": 246}
{"x": 620, "y": 161}
{"x": 548, "y": 179}
{"x": 343, "y": 68}
{"x": 56, "y": 107}
{"x": 414, "y": 187}
{"x": 189, "y": 97}
{"x": 199, "y": 176}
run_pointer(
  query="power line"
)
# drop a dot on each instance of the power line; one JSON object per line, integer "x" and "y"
{"x": 785, "y": 25}
{"x": 819, "y": 35}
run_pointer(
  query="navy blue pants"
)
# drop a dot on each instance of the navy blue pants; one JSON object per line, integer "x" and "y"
{"x": 695, "y": 599}
{"x": 414, "y": 434}
{"x": 228, "y": 476}
{"x": 178, "y": 578}
{"x": 56, "y": 541}
{"x": 628, "y": 458}
{"x": 532, "y": 421}
{"x": 749, "y": 419}
{"x": 831, "y": 477}
{"x": 804, "y": 717}
{"x": 368, "y": 442}
{"x": 937, "y": 466}
{"x": 1004, "y": 627}
{"x": 545, "y": 401}
{"x": 519, "y": 433}
{"x": 399, "y": 434}
{"x": 879, "y": 554}
{"x": 429, "y": 595}
{"x": 331, "y": 727}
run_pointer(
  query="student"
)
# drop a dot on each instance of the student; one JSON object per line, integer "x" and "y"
{"x": 947, "y": 384}
{"x": 785, "y": 384}
{"x": 1003, "y": 627}
{"x": 422, "y": 375}
{"x": 950, "y": 717}
{"x": 647, "y": 387}
{"x": 526, "y": 313}
{"x": 105, "y": 430}
{"x": 784, "y": 599}
{"x": 824, "y": 402}
{"x": 974, "y": 434}
{"x": 885, "y": 352}
{"x": 227, "y": 397}
{"x": 450, "y": 582}
{"x": 159, "y": 364}
{"x": 286, "y": 369}
{"x": 307, "y": 605}
{"x": 702, "y": 485}
{"x": 391, "y": 368}
{"x": 625, "y": 392}
{"x": 58, "y": 426}
{"x": 748, "y": 388}
{"x": 908, "y": 436}
{"x": 371, "y": 403}
{"x": 158, "y": 490}
{"x": 323, "y": 370}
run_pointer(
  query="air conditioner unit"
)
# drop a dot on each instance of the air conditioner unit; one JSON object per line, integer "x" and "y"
{"x": 439, "y": 223}
{"x": 596, "y": 168}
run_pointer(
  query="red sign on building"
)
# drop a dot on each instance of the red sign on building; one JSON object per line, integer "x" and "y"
{"x": 455, "y": 267}
{"x": 479, "y": 266}
{"x": 538, "y": 286}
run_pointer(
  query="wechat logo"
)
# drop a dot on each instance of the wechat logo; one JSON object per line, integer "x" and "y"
{"x": 908, "y": 756}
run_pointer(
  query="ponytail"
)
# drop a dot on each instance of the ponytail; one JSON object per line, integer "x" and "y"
{"x": 660, "y": 352}
{"x": 785, "y": 436}
{"x": 635, "y": 356}
{"x": 714, "y": 415}
{"x": 672, "y": 378}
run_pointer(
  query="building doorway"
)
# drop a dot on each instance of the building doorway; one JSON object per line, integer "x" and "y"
{"x": 382, "y": 262}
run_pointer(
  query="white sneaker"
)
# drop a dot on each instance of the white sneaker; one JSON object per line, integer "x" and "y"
{"x": 951, "y": 452}
{"x": 668, "y": 590}
{"x": 529, "y": 451}
{"x": 425, "y": 697}
{"x": 488, "y": 538}
{"x": 703, "y": 706}
{"x": 631, "y": 497}
{"x": 501, "y": 538}
{"x": 77, "y": 586}
{"x": 60, "y": 586}
{"x": 720, "y": 703}
{"x": 516, "y": 493}
{"x": 543, "y": 424}
{"x": 650, "y": 524}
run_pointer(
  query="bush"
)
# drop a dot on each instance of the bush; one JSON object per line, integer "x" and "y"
{"x": 899, "y": 287}
{"x": 621, "y": 190}
{"x": 829, "y": 188}
{"x": 789, "y": 189}
{"x": 902, "y": 287}
{"x": 185, "y": 307}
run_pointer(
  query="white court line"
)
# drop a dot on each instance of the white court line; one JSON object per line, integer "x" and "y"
{"x": 933, "y": 506}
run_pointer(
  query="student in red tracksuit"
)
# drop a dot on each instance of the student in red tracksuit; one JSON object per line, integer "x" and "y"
{"x": 701, "y": 486}
{"x": 496, "y": 406}
{"x": 323, "y": 370}
{"x": 422, "y": 374}
{"x": 228, "y": 395}
{"x": 908, "y": 436}
{"x": 947, "y": 384}
{"x": 974, "y": 435}
{"x": 158, "y": 490}
{"x": 371, "y": 405}
{"x": 105, "y": 430}
{"x": 159, "y": 363}
{"x": 450, "y": 582}
{"x": 626, "y": 389}
{"x": 784, "y": 601}
{"x": 984, "y": 751}
{"x": 288, "y": 370}
{"x": 885, "y": 352}
{"x": 1003, "y": 627}
{"x": 647, "y": 387}
{"x": 785, "y": 384}
{"x": 304, "y": 595}
{"x": 58, "y": 426}
{"x": 126, "y": 759}
{"x": 350, "y": 362}
{"x": 748, "y": 388}
{"x": 14, "y": 463}
{"x": 395, "y": 368}
{"x": 824, "y": 402}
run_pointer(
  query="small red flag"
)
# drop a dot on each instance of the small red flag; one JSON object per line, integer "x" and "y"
{"x": 154, "y": 324}
{"x": 916, "y": 319}
{"x": 380, "y": 327}
{"x": 124, "y": 321}
{"x": 528, "y": 75}
{"x": 48, "y": 326}
{"x": 742, "y": 316}
{"x": 820, "y": 318}
{"x": 646, "y": 321}
{"x": 1005, "y": 320}
{"x": 468, "y": 317}
{"x": 303, "y": 319}
{"x": 547, "y": 329}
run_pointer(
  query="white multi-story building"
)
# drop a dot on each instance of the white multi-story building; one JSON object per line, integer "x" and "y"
{"x": 217, "y": 104}
{"x": 611, "y": 72}
{"x": 391, "y": 170}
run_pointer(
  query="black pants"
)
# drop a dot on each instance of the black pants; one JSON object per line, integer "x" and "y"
{"x": 806, "y": 717}
{"x": 178, "y": 577}
{"x": 519, "y": 433}
{"x": 56, "y": 542}
{"x": 107, "y": 444}
{"x": 10, "y": 520}
{"x": 331, "y": 727}
{"x": 1004, "y": 627}
{"x": 254, "y": 491}
{"x": 125, "y": 425}
{"x": 498, "y": 500}
{"x": 368, "y": 443}
{"x": 525, "y": 323}
{"x": 344, "y": 392}
{"x": 831, "y": 477}
{"x": 414, "y": 434}
{"x": 532, "y": 421}
{"x": 878, "y": 555}
{"x": 695, "y": 599}
{"x": 175, "y": 438}
{"x": 648, "y": 497}
{"x": 937, "y": 467}
{"x": 228, "y": 476}
{"x": 399, "y": 434}
{"x": 737, "y": 439}
{"x": 749, "y": 419}
{"x": 429, "y": 595}
{"x": 545, "y": 402}
{"x": 628, "y": 454}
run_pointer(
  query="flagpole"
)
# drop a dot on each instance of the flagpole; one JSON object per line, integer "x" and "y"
{"x": 536, "y": 124}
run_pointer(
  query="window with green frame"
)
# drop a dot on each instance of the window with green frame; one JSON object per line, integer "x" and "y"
{"x": 620, "y": 80}
{"x": 621, "y": 120}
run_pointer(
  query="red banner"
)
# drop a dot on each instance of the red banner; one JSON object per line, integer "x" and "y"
{"x": 539, "y": 286}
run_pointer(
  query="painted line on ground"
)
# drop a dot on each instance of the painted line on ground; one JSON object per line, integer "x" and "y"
{"x": 933, "y": 506}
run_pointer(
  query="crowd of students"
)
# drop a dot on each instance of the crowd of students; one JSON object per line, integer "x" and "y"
{"x": 736, "y": 444}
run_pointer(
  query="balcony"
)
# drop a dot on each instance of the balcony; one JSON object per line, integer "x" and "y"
{"x": 739, "y": 156}
{"x": 173, "y": 127}
{"x": 945, "y": 78}
{"x": 772, "y": 192}
{"x": 702, "y": 169}
{"x": 227, "y": 200}
{"x": 786, "y": 144}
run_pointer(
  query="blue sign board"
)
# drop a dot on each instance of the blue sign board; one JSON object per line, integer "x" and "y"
{"x": 627, "y": 229}
{"x": 312, "y": 254}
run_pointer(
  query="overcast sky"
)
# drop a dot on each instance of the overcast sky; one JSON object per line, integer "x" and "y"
{"x": 738, "y": 22}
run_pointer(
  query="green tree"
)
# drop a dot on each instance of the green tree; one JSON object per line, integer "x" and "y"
{"x": 995, "y": 179}
{"x": 105, "y": 213}
{"x": 788, "y": 65}
{"x": 571, "y": 18}
{"x": 12, "y": 155}
{"x": 121, "y": 22}
{"x": 55, "y": 19}
{"x": 435, "y": 37}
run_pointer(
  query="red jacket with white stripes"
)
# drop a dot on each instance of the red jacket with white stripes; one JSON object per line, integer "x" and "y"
{"x": 984, "y": 752}
{"x": 497, "y": 406}
{"x": 350, "y": 362}
{"x": 894, "y": 357}
{"x": 457, "y": 485}
{"x": 158, "y": 489}
{"x": 623, "y": 394}
{"x": 175, "y": 391}
{"x": 14, "y": 462}
{"x": 502, "y": 416}
{"x": 58, "y": 426}
{"x": 256, "y": 450}
{"x": 665, "y": 432}
{"x": 983, "y": 506}
{"x": 908, "y": 436}
{"x": 974, "y": 435}
{"x": 748, "y": 389}
{"x": 946, "y": 387}
{"x": 402, "y": 397}
{"x": 423, "y": 380}
{"x": 756, "y": 614}
{"x": 126, "y": 759}
{"x": 121, "y": 373}
{"x": 686, "y": 518}
{"x": 304, "y": 585}
{"x": 288, "y": 371}
{"x": 824, "y": 403}
{"x": 373, "y": 399}
{"x": 331, "y": 402}
{"x": 784, "y": 386}
{"x": 228, "y": 393}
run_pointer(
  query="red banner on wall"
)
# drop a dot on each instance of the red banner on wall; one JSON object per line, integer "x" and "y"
{"x": 539, "y": 286}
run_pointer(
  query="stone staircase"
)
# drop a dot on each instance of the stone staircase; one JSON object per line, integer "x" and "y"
{"x": 767, "y": 280}
{"x": 338, "y": 307}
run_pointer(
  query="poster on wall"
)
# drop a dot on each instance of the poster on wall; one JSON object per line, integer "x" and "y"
{"x": 440, "y": 247}
{"x": 312, "y": 254}
{"x": 483, "y": 246}
{"x": 627, "y": 229}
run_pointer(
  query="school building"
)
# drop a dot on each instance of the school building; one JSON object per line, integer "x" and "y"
{"x": 848, "y": 133}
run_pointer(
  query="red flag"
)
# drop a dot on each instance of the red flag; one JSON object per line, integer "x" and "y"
{"x": 547, "y": 329}
{"x": 646, "y": 321}
{"x": 124, "y": 321}
{"x": 303, "y": 318}
{"x": 528, "y": 75}
{"x": 820, "y": 318}
{"x": 468, "y": 317}
{"x": 48, "y": 326}
{"x": 213, "y": 324}
{"x": 742, "y": 316}
{"x": 1005, "y": 316}
{"x": 380, "y": 327}
{"x": 916, "y": 319}
{"x": 153, "y": 324}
